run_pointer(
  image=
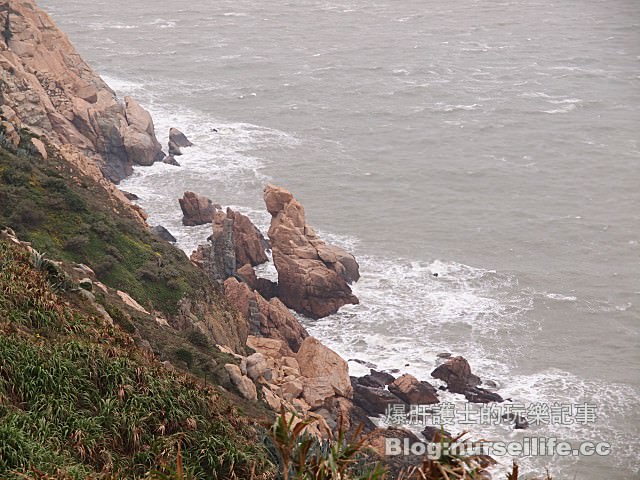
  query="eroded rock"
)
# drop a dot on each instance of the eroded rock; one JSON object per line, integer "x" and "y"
{"x": 196, "y": 209}
{"x": 313, "y": 277}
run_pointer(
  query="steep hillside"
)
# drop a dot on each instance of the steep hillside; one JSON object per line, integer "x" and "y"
{"x": 77, "y": 398}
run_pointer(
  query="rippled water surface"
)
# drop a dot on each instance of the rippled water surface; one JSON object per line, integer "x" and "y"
{"x": 492, "y": 142}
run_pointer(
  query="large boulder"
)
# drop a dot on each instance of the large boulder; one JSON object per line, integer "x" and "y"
{"x": 196, "y": 209}
{"x": 318, "y": 361}
{"x": 249, "y": 244}
{"x": 412, "y": 391}
{"x": 456, "y": 373}
{"x": 245, "y": 386}
{"x": 270, "y": 319}
{"x": 313, "y": 277}
{"x": 140, "y": 141}
{"x": 177, "y": 139}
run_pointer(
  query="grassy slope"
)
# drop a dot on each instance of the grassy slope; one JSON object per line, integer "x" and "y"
{"x": 77, "y": 397}
{"x": 75, "y": 394}
{"x": 72, "y": 218}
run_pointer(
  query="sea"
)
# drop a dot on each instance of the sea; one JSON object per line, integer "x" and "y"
{"x": 480, "y": 158}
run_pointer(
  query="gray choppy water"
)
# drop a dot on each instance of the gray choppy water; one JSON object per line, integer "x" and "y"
{"x": 493, "y": 142}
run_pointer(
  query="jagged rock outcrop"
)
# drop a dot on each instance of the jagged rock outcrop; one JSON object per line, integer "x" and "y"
{"x": 56, "y": 94}
{"x": 196, "y": 209}
{"x": 177, "y": 139}
{"x": 313, "y": 277}
{"x": 249, "y": 244}
{"x": 235, "y": 241}
{"x": 271, "y": 319}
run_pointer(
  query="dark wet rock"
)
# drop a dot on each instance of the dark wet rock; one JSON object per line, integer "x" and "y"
{"x": 490, "y": 384}
{"x": 519, "y": 422}
{"x": 362, "y": 362}
{"x": 130, "y": 196}
{"x": 480, "y": 395}
{"x": 376, "y": 379}
{"x": 171, "y": 160}
{"x": 163, "y": 233}
{"x": 444, "y": 355}
{"x": 456, "y": 373}
{"x": 435, "y": 434}
{"x": 373, "y": 400}
{"x": 412, "y": 391}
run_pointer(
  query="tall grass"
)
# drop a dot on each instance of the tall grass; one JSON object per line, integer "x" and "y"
{"x": 78, "y": 400}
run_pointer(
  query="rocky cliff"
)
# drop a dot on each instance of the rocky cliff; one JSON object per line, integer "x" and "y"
{"x": 56, "y": 94}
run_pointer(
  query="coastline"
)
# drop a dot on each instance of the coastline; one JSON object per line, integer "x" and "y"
{"x": 325, "y": 326}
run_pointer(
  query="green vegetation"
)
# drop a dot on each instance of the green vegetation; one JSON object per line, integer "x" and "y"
{"x": 70, "y": 217}
{"x": 79, "y": 400}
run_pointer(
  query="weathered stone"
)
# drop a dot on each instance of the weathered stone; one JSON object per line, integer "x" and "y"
{"x": 318, "y": 391}
{"x": 249, "y": 243}
{"x": 267, "y": 318}
{"x": 271, "y": 399}
{"x": 256, "y": 366}
{"x": 318, "y": 361}
{"x": 268, "y": 346}
{"x": 53, "y": 92}
{"x": 293, "y": 388}
{"x": 313, "y": 277}
{"x": 179, "y": 138}
{"x": 196, "y": 209}
{"x": 245, "y": 386}
{"x": 456, "y": 373}
{"x": 40, "y": 147}
{"x": 412, "y": 391}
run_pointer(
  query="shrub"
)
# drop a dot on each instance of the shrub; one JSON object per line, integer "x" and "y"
{"x": 185, "y": 356}
{"x": 105, "y": 266}
{"x": 198, "y": 339}
{"x": 77, "y": 243}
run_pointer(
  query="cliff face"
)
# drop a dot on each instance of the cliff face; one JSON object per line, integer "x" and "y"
{"x": 55, "y": 93}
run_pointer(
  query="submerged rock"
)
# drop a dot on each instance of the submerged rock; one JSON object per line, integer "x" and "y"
{"x": 170, "y": 160}
{"x": 313, "y": 277}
